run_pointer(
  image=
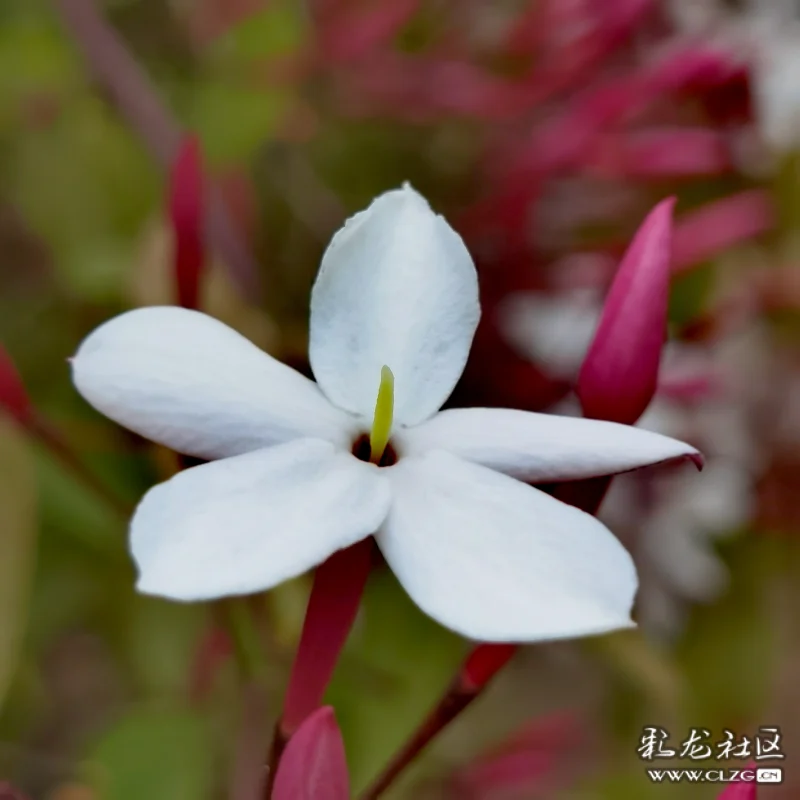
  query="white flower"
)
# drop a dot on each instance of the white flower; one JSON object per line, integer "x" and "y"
{"x": 481, "y": 552}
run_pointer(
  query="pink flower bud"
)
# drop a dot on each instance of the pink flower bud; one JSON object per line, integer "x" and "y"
{"x": 13, "y": 397}
{"x": 313, "y": 766}
{"x": 620, "y": 372}
{"x": 186, "y": 208}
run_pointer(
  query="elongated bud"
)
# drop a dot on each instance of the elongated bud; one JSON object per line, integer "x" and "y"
{"x": 313, "y": 766}
{"x": 186, "y": 209}
{"x": 619, "y": 375}
{"x": 13, "y": 397}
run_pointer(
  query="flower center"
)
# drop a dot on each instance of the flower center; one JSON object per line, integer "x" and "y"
{"x": 375, "y": 446}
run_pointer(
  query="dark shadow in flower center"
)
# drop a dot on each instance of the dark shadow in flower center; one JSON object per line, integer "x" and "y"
{"x": 361, "y": 450}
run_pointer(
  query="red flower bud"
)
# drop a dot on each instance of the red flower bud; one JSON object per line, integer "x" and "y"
{"x": 186, "y": 209}
{"x": 619, "y": 375}
{"x": 13, "y": 397}
{"x": 313, "y": 766}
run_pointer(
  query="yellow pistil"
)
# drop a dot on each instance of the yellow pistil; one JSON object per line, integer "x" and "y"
{"x": 384, "y": 413}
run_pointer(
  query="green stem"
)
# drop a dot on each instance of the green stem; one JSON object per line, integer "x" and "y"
{"x": 246, "y": 640}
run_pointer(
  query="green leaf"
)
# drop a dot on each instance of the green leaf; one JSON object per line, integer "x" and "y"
{"x": 158, "y": 754}
{"x": 170, "y": 629}
{"x": 69, "y": 507}
{"x": 35, "y": 62}
{"x": 278, "y": 28}
{"x": 97, "y": 199}
{"x": 18, "y": 528}
{"x": 233, "y": 118}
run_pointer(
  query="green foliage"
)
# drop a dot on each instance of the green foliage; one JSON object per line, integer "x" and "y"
{"x": 277, "y": 29}
{"x": 18, "y": 528}
{"x": 233, "y": 117}
{"x": 729, "y": 652}
{"x": 158, "y": 753}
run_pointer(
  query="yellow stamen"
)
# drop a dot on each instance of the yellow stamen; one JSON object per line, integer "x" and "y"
{"x": 384, "y": 413}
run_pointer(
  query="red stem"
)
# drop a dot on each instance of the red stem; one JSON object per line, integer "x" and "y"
{"x": 452, "y": 703}
{"x": 480, "y": 666}
{"x": 332, "y": 608}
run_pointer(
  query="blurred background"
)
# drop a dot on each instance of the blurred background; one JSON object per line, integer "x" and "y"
{"x": 544, "y": 130}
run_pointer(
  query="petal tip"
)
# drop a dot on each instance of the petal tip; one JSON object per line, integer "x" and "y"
{"x": 407, "y": 193}
{"x": 697, "y": 458}
{"x": 667, "y": 205}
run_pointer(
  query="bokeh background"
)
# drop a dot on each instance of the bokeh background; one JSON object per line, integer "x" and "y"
{"x": 544, "y": 130}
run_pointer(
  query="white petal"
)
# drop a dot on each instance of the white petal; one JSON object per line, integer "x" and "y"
{"x": 247, "y": 523}
{"x": 540, "y": 447}
{"x": 396, "y": 287}
{"x": 496, "y": 560}
{"x": 186, "y": 380}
